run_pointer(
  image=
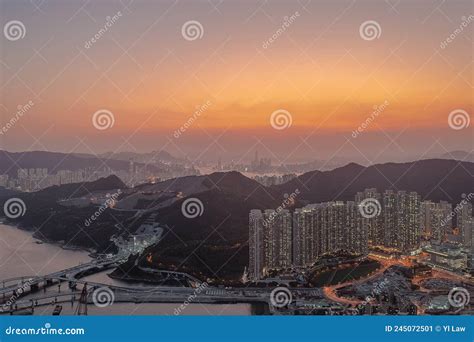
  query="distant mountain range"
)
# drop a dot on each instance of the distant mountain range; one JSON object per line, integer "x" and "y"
{"x": 325, "y": 165}
{"x": 220, "y": 233}
{"x": 10, "y": 162}
{"x": 433, "y": 179}
{"x": 459, "y": 155}
{"x": 52, "y": 221}
{"x": 7, "y": 192}
{"x": 78, "y": 189}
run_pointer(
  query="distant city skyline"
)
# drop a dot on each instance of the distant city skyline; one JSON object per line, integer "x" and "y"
{"x": 274, "y": 159}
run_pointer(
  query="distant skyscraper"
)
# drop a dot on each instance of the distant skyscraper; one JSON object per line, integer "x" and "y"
{"x": 260, "y": 165}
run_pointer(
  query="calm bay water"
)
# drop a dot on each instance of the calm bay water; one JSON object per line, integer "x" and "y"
{"x": 22, "y": 255}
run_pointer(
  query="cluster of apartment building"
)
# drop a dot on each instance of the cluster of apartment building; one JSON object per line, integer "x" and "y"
{"x": 274, "y": 179}
{"x": 400, "y": 221}
{"x": 34, "y": 179}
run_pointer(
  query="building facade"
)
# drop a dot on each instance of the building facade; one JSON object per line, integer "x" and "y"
{"x": 255, "y": 245}
{"x": 280, "y": 240}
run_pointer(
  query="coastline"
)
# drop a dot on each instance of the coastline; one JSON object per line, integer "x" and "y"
{"x": 91, "y": 252}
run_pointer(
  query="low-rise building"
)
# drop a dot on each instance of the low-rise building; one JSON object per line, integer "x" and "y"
{"x": 447, "y": 256}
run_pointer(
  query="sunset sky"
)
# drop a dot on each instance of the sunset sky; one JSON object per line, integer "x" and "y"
{"x": 319, "y": 69}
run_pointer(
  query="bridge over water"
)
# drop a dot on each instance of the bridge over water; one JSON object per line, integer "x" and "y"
{"x": 14, "y": 290}
{"x": 19, "y": 286}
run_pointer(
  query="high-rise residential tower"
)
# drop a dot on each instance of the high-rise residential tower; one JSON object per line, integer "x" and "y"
{"x": 373, "y": 224}
{"x": 435, "y": 220}
{"x": 277, "y": 239}
{"x": 256, "y": 239}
